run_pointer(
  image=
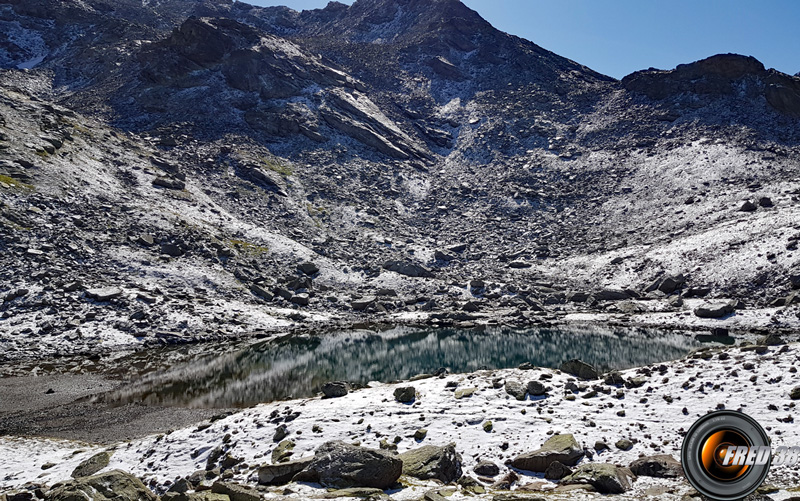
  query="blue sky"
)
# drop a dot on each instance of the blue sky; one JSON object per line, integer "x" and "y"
{"x": 621, "y": 36}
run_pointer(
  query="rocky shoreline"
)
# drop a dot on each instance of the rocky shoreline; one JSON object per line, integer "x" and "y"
{"x": 484, "y": 435}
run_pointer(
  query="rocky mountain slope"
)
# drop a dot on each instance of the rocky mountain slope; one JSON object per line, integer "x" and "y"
{"x": 176, "y": 170}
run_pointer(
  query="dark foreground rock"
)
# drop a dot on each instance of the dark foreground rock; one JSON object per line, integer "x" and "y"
{"x": 605, "y": 478}
{"x": 431, "y": 462}
{"x": 114, "y": 485}
{"x": 340, "y": 465}
{"x": 660, "y": 466}
{"x": 561, "y": 448}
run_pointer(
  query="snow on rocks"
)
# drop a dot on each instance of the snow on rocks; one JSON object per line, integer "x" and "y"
{"x": 651, "y": 414}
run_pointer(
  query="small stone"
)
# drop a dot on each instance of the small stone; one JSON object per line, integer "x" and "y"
{"x": 420, "y": 434}
{"x": 624, "y": 444}
{"x": 488, "y": 426}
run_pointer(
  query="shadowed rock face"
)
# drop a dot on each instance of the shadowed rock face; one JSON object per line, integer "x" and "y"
{"x": 723, "y": 74}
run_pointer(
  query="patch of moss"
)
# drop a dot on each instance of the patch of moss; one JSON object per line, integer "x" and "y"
{"x": 271, "y": 164}
{"x": 15, "y": 183}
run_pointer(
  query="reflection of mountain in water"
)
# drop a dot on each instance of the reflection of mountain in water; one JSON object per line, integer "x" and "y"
{"x": 297, "y": 366}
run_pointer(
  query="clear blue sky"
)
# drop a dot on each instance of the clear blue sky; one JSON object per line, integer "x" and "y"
{"x": 617, "y": 37}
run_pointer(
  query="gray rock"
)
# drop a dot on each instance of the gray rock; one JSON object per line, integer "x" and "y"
{"x": 432, "y": 462}
{"x": 363, "y": 303}
{"x": 341, "y": 465}
{"x": 169, "y": 183}
{"x": 335, "y": 389}
{"x": 283, "y": 451}
{"x": 795, "y": 393}
{"x": 714, "y": 310}
{"x": 103, "y": 294}
{"x": 308, "y": 268}
{"x": 405, "y": 394}
{"x": 171, "y": 249}
{"x": 557, "y": 470}
{"x": 579, "y": 369}
{"x": 92, "y": 465}
{"x": 487, "y": 469}
{"x": 606, "y": 478}
{"x": 407, "y": 269}
{"x": 561, "y": 448}
{"x": 235, "y": 492}
{"x": 624, "y": 444}
{"x": 748, "y": 206}
{"x": 515, "y": 389}
{"x": 536, "y": 389}
{"x": 443, "y": 256}
{"x": 281, "y": 432}
{"x": 261, "y": 292}
{"x": 282, "y": 473}
{"x": 302, "y": 299}
{"x": 660, "y": 466}
{"x": 113, "y": 485}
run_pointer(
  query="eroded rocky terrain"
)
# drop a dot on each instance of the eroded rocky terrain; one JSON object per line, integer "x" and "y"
{"x": 175, "y": 171}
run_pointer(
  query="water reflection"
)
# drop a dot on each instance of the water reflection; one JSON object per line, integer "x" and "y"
{"x": 298, "y": 366}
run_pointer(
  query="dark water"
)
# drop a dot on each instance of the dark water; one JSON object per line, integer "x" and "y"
{"x": 298, "y": 366}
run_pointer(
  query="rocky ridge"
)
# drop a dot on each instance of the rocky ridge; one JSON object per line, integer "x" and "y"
{"x": 212, "y": 169}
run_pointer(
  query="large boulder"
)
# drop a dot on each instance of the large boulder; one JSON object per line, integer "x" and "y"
{"x": 661, "y": 466}
{"x": 562, "y": 448}
{"x": 113, "y": 485}
{"x": 429, "y": 462}
{"x": 340, "y": 465}
{"x": 605, "y": 478}
{"x": 580, "y": 369}
{"x": 714, "y": 310}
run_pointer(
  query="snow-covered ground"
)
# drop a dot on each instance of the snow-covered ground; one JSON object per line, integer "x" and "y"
{"x": 672, "y": 396}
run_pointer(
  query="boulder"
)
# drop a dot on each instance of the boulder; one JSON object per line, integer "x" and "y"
{"x": 340, "y": 465}
{"x": 407, "y": 269}
{"x": 104, "y": 294}
{"x": 487, "y": 469}
{"x": 308, "y": 268}
{"x": 557, "y": 470}
{"x": 363, "y": 303}
{"x": 335, "y": 389}
{"x": 795, "y": 393}
{"x": 579, "y": 369}
{"x": 605, "y": 478}
{"x": 235, "y": 492}
{"x": 536, "y": 389}
{"x": 92, "y": 465}
{"x": 282, "y": 473}
{"x": 169, "y": 183}
{"x": 748, "y": 206}
{"x": 432, "y": 462}
{"x": 624, "y": 444}
{"x": 561, "y": 448}
{"x": 113, "y": 485}
{"x": 405, "y": 394}
{"x": 714, "y": 310}
{"x": 516, "y": 389}
{"x": 660, "y": 466}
